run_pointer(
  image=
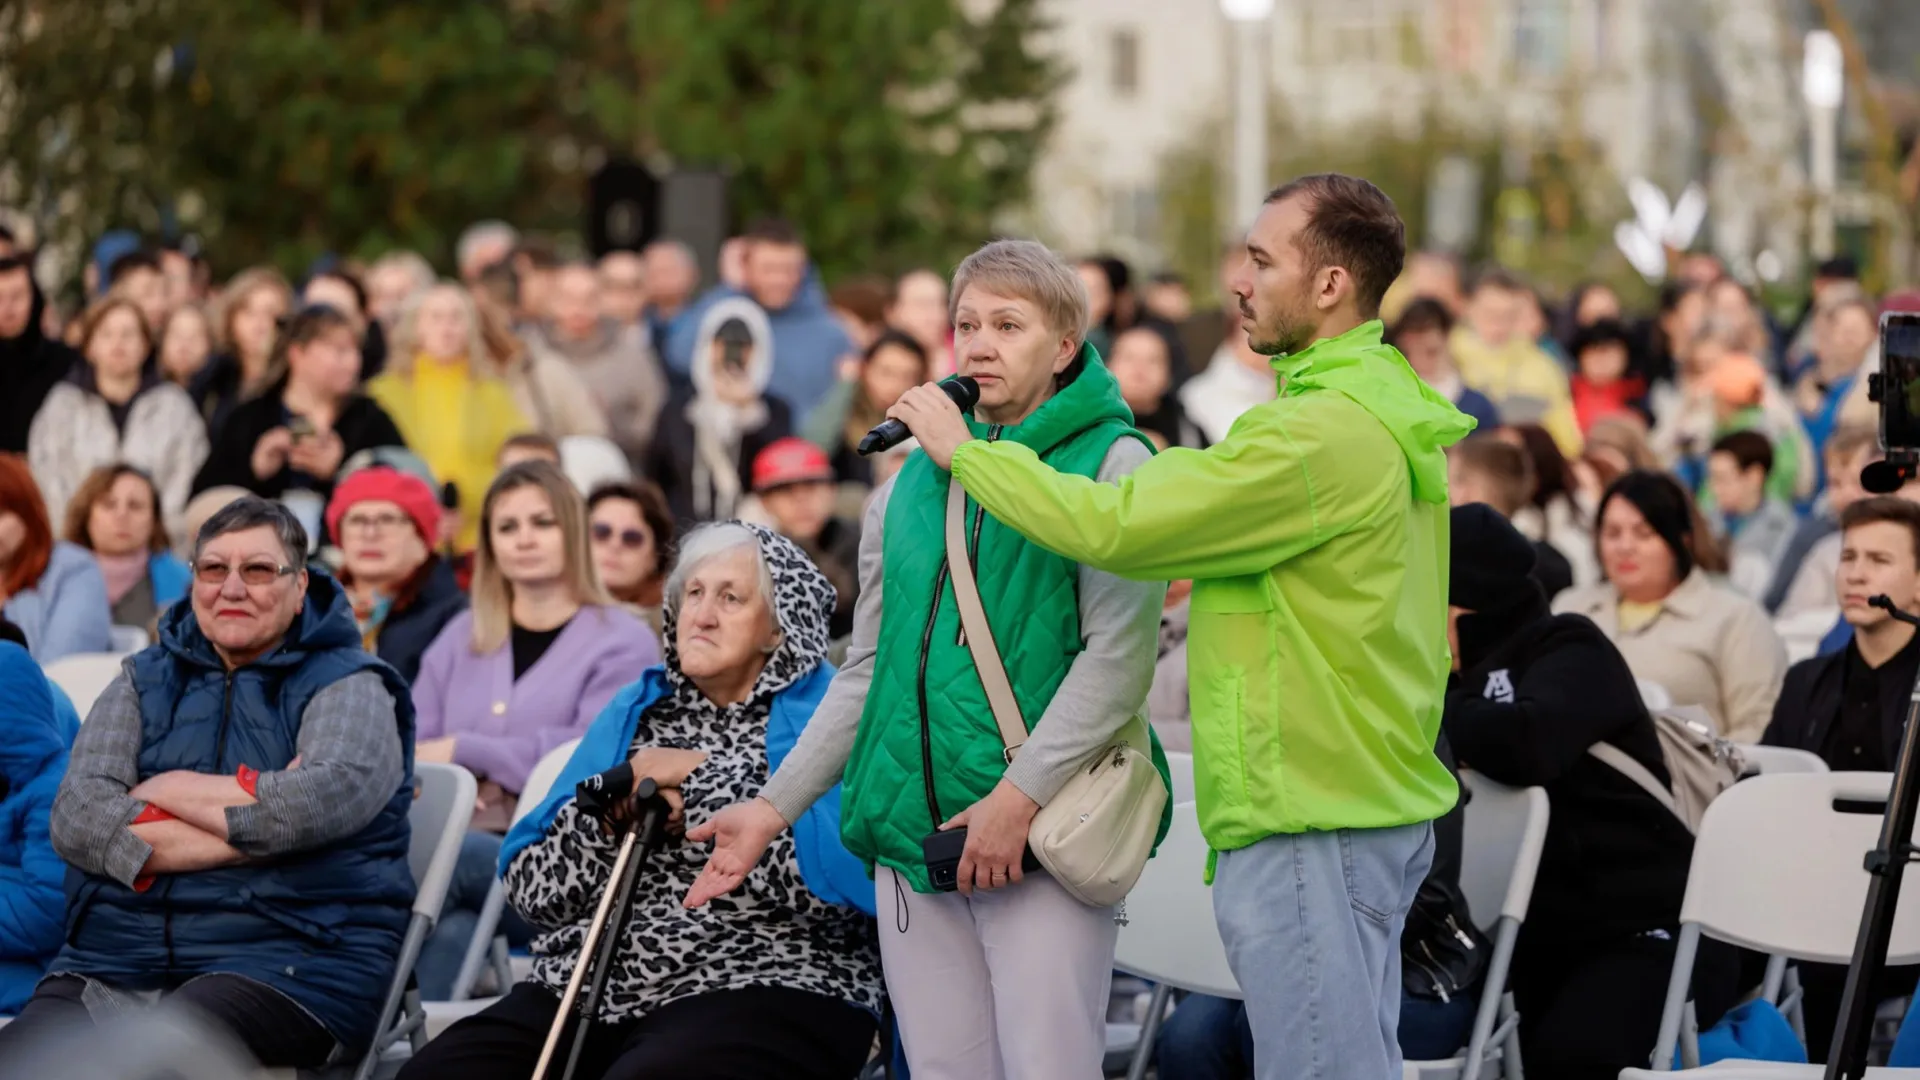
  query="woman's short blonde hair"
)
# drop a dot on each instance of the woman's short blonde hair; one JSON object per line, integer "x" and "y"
{"x": 492, "y": 592}
{"x": 1029, "y": 271}
{"x": 406, "y": 330}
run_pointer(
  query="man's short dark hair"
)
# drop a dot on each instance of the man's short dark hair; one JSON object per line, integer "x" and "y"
{"x": 1888, "y": 508}
{"x": 537, "y": 252}
{"x": 1420, "y": 316}
{"x": 251, "y": 512}
{"x": 1351, "y": 224}
{"x": 20, "y": 261}
{"x": 773, "y": 230}
{"x": 1750, "y": 450}
{"x": 137, "y": 259}
{"x": 1598, "y": 333}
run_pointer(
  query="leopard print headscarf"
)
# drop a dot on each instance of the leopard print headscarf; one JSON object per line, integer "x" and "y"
{"x": 803, "y": 601}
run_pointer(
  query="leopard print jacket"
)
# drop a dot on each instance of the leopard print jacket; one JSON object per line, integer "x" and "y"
{"x": 771, "y": 931}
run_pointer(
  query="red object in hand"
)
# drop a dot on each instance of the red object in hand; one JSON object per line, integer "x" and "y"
{"x": 150, "y": 815}
{"x": 143, "y": 883}
{"x": 249, "y": 779}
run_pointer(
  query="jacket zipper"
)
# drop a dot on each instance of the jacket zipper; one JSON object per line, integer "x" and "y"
{"x": 1435, "y": 972}
{"x": 226, "y": 713}
{"x": 1465, "y": 941}
{"x": 926, "y": 646}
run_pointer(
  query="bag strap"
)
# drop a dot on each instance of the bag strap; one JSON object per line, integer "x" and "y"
{"x": 973, "y": 626}
{"x": 1624, "y": 764}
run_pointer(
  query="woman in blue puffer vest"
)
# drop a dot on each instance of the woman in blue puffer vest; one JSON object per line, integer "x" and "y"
{"x": 37, "y": 726}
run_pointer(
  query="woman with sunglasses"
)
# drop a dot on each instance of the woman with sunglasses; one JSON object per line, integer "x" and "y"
{"x": 633, "y": 544}
{"x": 526, "y": 668}
{"x": 307, "y": 419}
{"x": 386, "y": 523}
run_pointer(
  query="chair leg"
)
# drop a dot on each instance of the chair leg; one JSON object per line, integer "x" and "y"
{"x": 1513, "y": 1067}
{"x": 1149, "y": 1031}
{"x": 502, "y": 966}
{"x": 482, "y": 941}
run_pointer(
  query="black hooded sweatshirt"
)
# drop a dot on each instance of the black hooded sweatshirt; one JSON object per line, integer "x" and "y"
{"x": 1534, "y": 692}
{"x": 30, "y": 366}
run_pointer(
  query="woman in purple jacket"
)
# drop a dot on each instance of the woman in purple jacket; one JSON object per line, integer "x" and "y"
{"x": 542, "y": 649}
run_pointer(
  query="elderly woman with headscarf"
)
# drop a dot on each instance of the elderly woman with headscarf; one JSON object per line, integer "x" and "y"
{"x": 782, "y": 979}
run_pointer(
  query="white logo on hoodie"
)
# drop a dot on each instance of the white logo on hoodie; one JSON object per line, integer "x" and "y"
{"x": 1499, "y": 687}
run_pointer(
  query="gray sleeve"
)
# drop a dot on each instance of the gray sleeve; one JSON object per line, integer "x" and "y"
{"x": 92, "y": 810}
{"x": 350, "y": 765}
{"x": 816, "y": 761}
{"x": 1108, "y": 681}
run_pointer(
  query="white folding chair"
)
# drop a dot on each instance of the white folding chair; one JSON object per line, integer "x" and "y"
{"x": 1778, "y": 868}
{"x": 129, "y": 639}
{"x": 1180, "y": 772}
{"x": 1506, "y": 830}
{"x": 485, "y": 945}
{"x": 442, "y": 810}
{"x": 1170, "y": 937}
{"x": 1772, "y": 760}
{"x": 85, "y": 676}
{"x": 1654, "y": 695}
{"x": 592, "y": 460}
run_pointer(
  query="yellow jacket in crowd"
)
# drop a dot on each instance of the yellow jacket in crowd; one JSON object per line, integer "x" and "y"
{"x": 1526, "y": 385}
{"x": 456, "y": 423}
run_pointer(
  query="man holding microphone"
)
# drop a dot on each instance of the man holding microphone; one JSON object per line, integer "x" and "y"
{"x": 1316, "y": 535}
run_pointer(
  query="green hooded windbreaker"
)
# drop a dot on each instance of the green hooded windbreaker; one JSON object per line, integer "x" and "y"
{"x": 1316, "y": 535}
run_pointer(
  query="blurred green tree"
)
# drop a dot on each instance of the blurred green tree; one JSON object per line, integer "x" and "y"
{"x": 278, "y": 129}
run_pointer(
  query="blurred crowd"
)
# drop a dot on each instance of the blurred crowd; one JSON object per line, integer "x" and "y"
{"x": 1683, "y": 477}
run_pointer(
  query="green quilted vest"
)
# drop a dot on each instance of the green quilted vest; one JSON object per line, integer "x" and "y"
{"x": 923, "y": 667}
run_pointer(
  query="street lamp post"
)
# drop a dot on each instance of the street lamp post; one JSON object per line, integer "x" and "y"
{"x": 1249, "y": 19}
{"x": 1822, "y": 83}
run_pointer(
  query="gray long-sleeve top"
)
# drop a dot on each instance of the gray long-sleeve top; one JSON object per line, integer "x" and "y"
{"x": 350, "y": 763}
{"x": 1106, "y": 684}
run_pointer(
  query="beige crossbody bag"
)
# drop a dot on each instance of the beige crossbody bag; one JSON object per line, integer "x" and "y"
{"x": 1095, "y": 835}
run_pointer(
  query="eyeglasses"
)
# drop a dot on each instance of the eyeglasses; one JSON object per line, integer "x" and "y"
{"x": 253, "y": 573}
{"x": 629, "y": 538}
{"x": 372, "y": 522}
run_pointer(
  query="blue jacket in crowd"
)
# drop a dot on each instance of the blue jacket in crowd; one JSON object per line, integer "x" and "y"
{"x": 808, "y": 343}
{"x": 171, "y": 578}
{"x": 37, "y": 725}
{"x": 321, "y": 926}
{"x": 66, "y": 611}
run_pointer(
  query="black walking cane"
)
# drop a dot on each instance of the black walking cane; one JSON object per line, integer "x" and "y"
{"x": 598, "y": 795}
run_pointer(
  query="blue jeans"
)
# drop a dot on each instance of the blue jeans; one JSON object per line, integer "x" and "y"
{"x": 1207, "y": 1038}
{"x": 1311, "y": 923}
{"x": 446, "y": 948}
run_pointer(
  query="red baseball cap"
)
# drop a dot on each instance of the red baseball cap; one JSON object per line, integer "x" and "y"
{"x": 790, "y": 461}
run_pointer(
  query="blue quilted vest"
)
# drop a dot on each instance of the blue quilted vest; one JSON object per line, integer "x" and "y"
{"x": 322, "y": 926}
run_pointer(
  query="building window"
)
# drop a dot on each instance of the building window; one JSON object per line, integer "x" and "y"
{"x": 1540, "y": 34}
{"x": 1126, "y": 62}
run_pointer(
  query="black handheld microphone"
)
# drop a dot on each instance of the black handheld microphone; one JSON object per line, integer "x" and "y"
{"x": 959, "y": 389}
{"x": 599, "y": 793}
{"x": 1888, "y": 476}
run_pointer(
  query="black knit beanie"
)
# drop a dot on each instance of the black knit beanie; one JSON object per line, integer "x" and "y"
{"x": 1492, "y": 564}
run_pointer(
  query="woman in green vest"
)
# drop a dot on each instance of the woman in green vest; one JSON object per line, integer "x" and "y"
{"x": 1008, "y": 976}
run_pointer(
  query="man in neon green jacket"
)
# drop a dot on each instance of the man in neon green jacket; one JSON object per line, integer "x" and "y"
{"x": 1316, "y": 535}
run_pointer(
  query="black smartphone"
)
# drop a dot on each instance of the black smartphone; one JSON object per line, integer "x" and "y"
{"x": 942, "y": 850}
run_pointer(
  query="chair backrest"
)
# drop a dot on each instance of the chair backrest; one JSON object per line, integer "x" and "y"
{"x": 1506, "y": 830}
{"x": 85, "y": 676}
{"x": 441, "y": 813}
{"x": 1180, "y": 771}
{"x": 1770, "y": 760}
{"x": 1170, "y": 935}
{"x": 1654, "y": 695}
{"x": 1778, "y": 869}
{"x": 129, "y": 639}
{"x": 540, "y": 780}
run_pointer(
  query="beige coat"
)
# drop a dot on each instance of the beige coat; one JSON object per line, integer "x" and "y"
{"x": 552, "y": 395}
{"x": 1709, "y": 646}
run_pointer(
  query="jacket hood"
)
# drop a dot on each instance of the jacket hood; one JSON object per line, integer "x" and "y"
{"x": 35, "y": 733}
{"x": 759, "y": 367}
{"x": 803, "y": 602}
{"x": 1361, "y": 366}
{"x": 325, "y": 622}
